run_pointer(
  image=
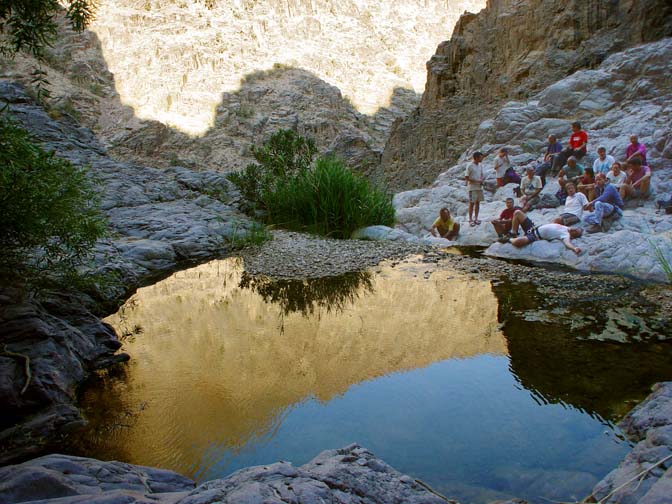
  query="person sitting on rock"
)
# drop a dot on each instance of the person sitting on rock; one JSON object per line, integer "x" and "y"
{"x": 637, "y": 184}
{"x": 502, "y": 165}
{"x": 530, "y": 187}
{"x": 603, "y": 162}
{"x": 607, "y": 203}
{"x": 553, "y": 149}
{"x": 573, "y": 206}
{"x": 445, "y": 225}
{"x": 635, "y": 150}
{"x": 549, "y": 232}
{"x": 519, "y": 220}
{"x": 616, "y": 176}
{"x": 503, "y": 224}
{"x": 474, "y": 177}
{"x": 571, "y": 172}
{"x": 587, "y": 184}
{"x": 578, "y": 145}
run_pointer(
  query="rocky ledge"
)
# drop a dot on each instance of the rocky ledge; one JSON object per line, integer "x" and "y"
{"x": 628, "y": 94}
{"x": 351, "y": 475}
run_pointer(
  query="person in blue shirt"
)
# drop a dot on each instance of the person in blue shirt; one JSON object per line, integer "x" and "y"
{"x": 553, "y": 149}
{"x": 607, "y": 203}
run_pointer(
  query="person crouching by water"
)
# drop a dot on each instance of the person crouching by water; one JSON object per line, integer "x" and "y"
{"x": 445, "y": 226}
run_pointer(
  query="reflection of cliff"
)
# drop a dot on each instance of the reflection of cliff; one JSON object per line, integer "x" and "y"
{"x": 215, "y": 368}
{"x": 555, "y": 365}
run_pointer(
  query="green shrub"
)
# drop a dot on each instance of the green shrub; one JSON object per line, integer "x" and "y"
{"x": 326, "y": 198}
{"x": 50, "y": 218}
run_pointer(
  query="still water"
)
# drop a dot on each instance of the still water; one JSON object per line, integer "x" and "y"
{"x": 439, "y": 374}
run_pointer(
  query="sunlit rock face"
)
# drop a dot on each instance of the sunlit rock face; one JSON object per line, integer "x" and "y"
{"x": 172, "y": 60}
{"x": 233, "y": 360}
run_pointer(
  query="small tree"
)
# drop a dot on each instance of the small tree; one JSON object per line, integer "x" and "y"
{"x": 50, "y": 217}
{"x": 29, "y": 25}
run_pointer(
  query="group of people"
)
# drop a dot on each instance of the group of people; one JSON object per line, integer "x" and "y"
{"x": 600, "y": 189}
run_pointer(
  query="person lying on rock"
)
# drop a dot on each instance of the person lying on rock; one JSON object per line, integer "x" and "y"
{"x": 586, "y": 184}
{"x": 616, "y": 176}
{"x": 573, "y": 206}
{"x": 503, "y": 224}
{"x": 475, "y": 178}
{"x": 635, "y": 150}
{"x": 607, "y": 204}
{"x": 578, "y": 145}
{"x": 502, "y": 165}
{"x": 637, "y": 184}
{"x": 550, "y": 232}
{"x": 445, "y": 226}
{"x": 603, "y": 162}
{"x": 530, "y": 187}
{"x": 519, "y": 220}
{"x": 571, "y": 172}
{"x": 553, "y": 149}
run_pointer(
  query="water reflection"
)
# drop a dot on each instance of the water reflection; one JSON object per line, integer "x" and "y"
{"x": 212, "y": 370}
{"x": 552, "y": 355}
{"x": 305, "y": 296}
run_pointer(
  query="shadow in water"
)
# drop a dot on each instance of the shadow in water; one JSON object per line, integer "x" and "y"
{"x": 305, "y": 296}
{"x": 578, "y": 354}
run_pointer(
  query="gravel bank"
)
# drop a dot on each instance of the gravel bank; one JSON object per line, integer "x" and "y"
{"x": 299, "y": 256}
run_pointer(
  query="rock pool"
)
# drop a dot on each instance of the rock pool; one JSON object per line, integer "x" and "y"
{"x": 470, "y": 385}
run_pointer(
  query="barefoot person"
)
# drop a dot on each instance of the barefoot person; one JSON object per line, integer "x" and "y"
{"x": 445, "y": 226}
{"x": 474, "y": 177}
{"x": 550, "y": 232}
{"x": 503, "y": 224}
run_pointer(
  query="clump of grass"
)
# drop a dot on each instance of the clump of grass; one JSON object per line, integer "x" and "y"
{"x": 329, "y": 199}
{"x": 325, "y": 198}
{"x": 663, "y": 261}
{"x": 257, "y": 234}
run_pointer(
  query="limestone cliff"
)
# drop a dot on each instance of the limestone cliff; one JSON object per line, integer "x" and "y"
{"x": 196, "y": 82}
{"x": 511, "y": 49}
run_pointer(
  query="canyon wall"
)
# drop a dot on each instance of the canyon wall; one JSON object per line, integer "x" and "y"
{"x": 195, "y": 82}
{"x": 510, "y": 50}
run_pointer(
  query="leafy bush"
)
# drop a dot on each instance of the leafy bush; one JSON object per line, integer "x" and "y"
{"x": 284, "y": 155}
{"x": 50, "y": 219}
{"x": 327, "y": 198}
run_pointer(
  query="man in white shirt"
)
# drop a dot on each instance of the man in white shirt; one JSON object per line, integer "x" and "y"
{"x": 530, "y": 187}
{"x": 549, "y": 232}
{"x": 616, "y": 176}
{"x": 475, "y": 177}
{"x": 603, "y": 163}
{"x": 573, "y": 206}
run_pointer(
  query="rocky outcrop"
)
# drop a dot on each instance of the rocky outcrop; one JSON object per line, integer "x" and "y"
{"x": 350, "y": 475}
{"x": 511, "y": 49}
{"x": 628, "y": 94}
{"x": 158, "y": 219}
{"x": 645, "y": 475}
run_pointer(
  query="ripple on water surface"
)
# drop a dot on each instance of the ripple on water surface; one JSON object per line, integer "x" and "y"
{"x": 435, "y": 372}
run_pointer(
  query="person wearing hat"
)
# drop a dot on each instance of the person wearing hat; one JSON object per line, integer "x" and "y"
{"x": 530, "y": 187}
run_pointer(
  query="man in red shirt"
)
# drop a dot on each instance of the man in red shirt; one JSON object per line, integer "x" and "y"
{"x": 638, "y": 183}
{"x": 503, "y": 224}
{"x": 578, "y": 143}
